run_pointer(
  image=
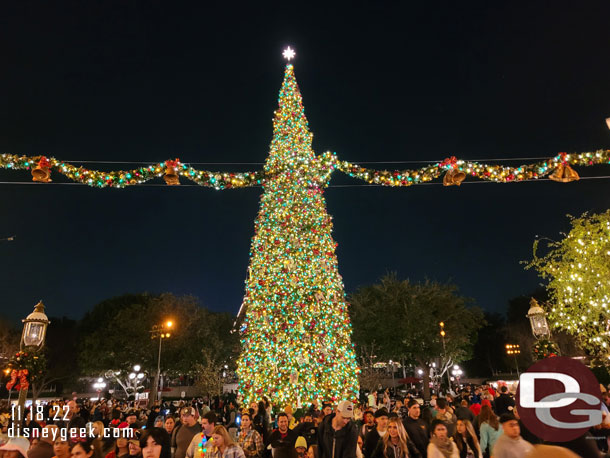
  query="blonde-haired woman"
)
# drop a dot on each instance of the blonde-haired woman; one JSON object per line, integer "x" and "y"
{"x": 223, "y": 446}
{"x": 395, "y": 443}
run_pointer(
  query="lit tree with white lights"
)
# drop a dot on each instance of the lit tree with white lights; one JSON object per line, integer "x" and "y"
{"x": 577, "y": 269}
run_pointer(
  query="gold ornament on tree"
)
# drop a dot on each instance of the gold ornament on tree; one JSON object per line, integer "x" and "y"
{"x": 294, "y": 377}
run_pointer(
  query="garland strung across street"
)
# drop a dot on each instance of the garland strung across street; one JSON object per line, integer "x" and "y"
{"x": 454, "y": 171}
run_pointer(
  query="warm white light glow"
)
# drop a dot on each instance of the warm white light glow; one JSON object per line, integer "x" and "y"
{"x": 608, "y": 122}
{"x": 288, "y": 53}
{"x": 136, "y": 368}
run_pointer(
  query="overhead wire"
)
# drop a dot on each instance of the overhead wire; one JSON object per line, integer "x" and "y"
{"x": 161, "y": 185}
{"x": 359, "y": 162}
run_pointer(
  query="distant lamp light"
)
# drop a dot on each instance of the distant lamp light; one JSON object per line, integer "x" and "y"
{"x": 537, "y": 317}
{"x": 136, "y": 368}
{"x": 140, "y": 376}
{"x": 132, "y": 376}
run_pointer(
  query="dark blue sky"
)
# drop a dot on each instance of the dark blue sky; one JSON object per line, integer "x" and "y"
{"x": 145, "y": 81}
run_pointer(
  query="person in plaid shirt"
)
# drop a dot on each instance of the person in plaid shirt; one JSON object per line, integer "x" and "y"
{"x": 249, "y": 439}
{"x": 223, "y": 446}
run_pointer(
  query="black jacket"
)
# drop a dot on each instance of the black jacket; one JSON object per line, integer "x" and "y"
{"x": 276, "y": 440}
{"x": 418, "y": 433}
{"x": 502, "y": 403}
{"x": 309, "y": 431}
{"x": 370, "y": 442}
{"x": 343, "y": 442}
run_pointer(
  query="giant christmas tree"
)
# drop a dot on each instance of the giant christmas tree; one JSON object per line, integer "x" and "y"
{"x": 296, "y": 332}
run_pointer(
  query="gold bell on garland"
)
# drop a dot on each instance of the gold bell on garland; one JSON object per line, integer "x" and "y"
{"x": 171, "y": 176}
{"x": 42, "y": 171}
{"x": 454, "y": 177}
{"x": 564, "y": 174}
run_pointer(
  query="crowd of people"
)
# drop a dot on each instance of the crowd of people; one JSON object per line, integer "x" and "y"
{"x": 475, "y": 423}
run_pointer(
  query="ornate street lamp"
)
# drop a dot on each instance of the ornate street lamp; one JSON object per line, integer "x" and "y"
{"x": 35, "y": 328}
{"x": 537, "y": 317}
{"x": 32, "y": 340}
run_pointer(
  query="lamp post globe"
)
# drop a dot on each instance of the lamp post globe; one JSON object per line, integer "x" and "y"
{"x": 537, "y": 317}
{"x": 35, "y": 328}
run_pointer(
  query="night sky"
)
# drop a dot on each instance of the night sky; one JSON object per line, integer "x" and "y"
{"x": 381, "y": 81}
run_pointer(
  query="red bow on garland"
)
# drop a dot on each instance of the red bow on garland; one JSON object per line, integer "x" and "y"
{"x": 44, "y": 163}
{"x": 449, "y": 162}
{"x": 172, "y": 164}
{"x": 22, "y": 384}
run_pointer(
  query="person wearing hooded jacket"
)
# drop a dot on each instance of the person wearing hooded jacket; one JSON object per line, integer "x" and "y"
{"x": 338, "y": 434}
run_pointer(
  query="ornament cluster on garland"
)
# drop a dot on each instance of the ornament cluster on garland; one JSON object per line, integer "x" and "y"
{"x": 544, "y": 348}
